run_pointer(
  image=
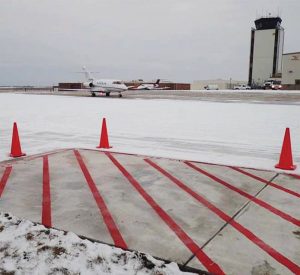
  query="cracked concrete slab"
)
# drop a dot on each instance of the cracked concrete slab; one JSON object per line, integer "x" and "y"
{"x": 222, "y": 197}
{"x": 237, "y": 255}
{"x": 289, "y": 182}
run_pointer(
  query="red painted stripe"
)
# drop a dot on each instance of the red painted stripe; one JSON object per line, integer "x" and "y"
{"x": 295, "y": 176}
{"x": 291, "y": 192}
{"x": 189, "y": 243}
{"x": 261, "y": 203}
{"x": 108, "y": 219}
{"x": 46, "y": 204}
{"x": 243, "y": 230}
{"x": 4, "y": 179}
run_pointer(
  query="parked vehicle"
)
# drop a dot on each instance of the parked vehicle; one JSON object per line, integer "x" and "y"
{"x": 242, "y": 87}
{"x": 211, "y": 87}
{"x": 272, "y": 85}
{"x": 257, "y": 87}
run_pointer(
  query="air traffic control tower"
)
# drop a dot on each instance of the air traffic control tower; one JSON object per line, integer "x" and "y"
{"x": 266, "y": 50}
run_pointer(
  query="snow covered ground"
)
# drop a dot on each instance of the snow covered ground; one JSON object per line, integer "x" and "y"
{"x": 239, "y": 134}
{"x": 251, "y": 91}
{"x": 28, "y": 248}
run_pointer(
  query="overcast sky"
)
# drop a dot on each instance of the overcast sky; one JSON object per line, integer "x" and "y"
{"x": 44, "y": 42}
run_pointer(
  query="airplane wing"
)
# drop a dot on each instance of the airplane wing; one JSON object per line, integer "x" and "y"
{"x": 95, "y": 90}
{"x": 162, "y": 88}
{"x": 62, "y": 89}
{"x": 132, "y": 87}
{"x": 137, "y": 88}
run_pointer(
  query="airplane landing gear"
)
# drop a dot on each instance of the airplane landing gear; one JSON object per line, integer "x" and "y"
{"x": 93, "y": 94}
{"x": 120, "y": 95}
{"x": 107, "y": 94}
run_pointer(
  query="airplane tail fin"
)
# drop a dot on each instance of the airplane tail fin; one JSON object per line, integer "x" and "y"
{"x": 87, "y": 74}
{"x": 156, "y": 85}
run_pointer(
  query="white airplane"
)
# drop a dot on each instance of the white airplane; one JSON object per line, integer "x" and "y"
{"x": 150, "y": 86}
{"x": 103, "y": 86}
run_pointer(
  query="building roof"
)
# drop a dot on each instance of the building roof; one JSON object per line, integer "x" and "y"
{"x": 266, "y": 23}
{"x": 291, "y": 53}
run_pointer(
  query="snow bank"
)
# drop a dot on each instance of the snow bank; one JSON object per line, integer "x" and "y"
{"x": 28, "y": 248}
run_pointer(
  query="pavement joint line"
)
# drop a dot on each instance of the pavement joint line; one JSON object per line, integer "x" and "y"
{"x": 259, "y": 202}
{"x": 232, "y": 218}
{"x": 107, "y": 217}
{"x": 207, "y": 242}
{"x": 33, "y": 157}
{"x": 166, "y": 158}
{"x": 4, "y": 179}
{"x": 183, "y": 160}
{"x": 46, "y": 202}
{"x": 240, "y": 228}
{"x": 209, "y": 264}
{"x": 259, "y": 179}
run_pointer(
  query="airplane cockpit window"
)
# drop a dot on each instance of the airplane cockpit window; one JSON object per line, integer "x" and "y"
{"x": 117, "y": 82}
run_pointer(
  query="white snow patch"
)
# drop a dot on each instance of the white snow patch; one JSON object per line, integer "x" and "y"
{"x": 240, "y": 134}
{"x": 28, "y": 248}
{"x": 269, "y": 92}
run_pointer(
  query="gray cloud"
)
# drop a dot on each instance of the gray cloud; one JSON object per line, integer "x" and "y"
{"x": 43, "y": 42}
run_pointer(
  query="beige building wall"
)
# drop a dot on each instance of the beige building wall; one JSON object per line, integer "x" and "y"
{"x": 263, "y": 55}
{"x": 291, "y": 69}
{"x": 223, "y": 84}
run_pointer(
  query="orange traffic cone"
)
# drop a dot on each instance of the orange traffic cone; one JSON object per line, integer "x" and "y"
{"x": 16, "y": 150}
{"x": 286, "y": 157}
{"x": 104, "y": 136}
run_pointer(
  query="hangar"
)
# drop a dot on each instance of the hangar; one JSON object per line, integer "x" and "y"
{"x": 291, "y": 71}
{"x": 222, "y": 84}
{"x": 69, "y": 85}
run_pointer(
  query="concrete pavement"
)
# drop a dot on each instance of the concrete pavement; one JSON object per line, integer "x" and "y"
{"x": 216, "y": 218}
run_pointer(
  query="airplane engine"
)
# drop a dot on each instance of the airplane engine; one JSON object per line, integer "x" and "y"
{"x": 88, "y": 84}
